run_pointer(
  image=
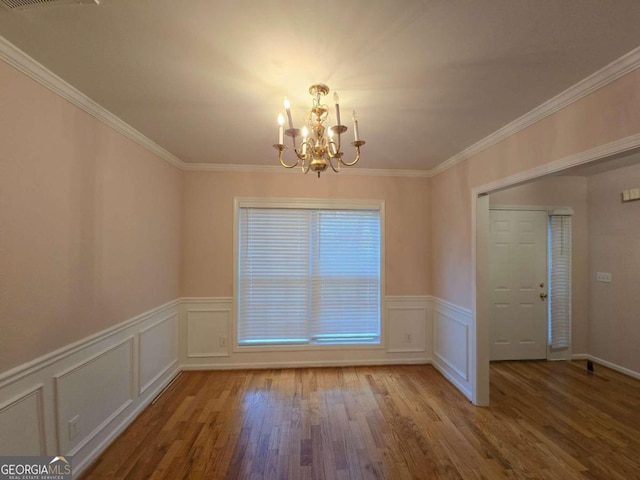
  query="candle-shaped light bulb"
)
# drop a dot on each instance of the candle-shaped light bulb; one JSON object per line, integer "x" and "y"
{"x": 336, "y": 100}
{"x": 355, "y": 126}
{"x": 305, "y": 134}
{"x": 280, "y": 129}
{"x": 332, "y": 144}
{"x": 287, "y": 107}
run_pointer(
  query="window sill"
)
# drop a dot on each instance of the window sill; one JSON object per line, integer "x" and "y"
{"x": 307, "y": 347}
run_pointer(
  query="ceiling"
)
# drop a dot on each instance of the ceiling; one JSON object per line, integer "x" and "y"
{"x": 205, "y": 79}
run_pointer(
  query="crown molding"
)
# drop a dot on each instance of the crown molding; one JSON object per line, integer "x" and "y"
{"x": 371, "y": 172}
{"x": 616, "y": 69}
{"x": 617, "y": 147}
{"x": 34, "y": 70}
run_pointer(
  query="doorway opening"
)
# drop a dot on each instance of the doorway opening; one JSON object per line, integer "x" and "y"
{"x": 530, "y": 272}
{"x": 602, "y": 158}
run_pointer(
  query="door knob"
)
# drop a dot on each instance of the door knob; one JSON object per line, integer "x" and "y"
{"x": 543, "y": 296}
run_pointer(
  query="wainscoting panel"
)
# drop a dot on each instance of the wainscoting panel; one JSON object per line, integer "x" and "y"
{"x": 158, "y": 347}
{"x": 452, "y": 346}
{"x": 76, "y": 400}
{"x": 93, "y": 393}
{"x": 208, "y": 332}
{"x": 22, "y": 424}
{"x": 409, "y": 326}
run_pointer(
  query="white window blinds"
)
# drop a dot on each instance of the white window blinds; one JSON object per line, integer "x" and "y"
{"x": 560, "y": 281}
{"x": 308, "y": 276}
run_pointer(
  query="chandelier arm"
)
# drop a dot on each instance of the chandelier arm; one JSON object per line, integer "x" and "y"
{"x": 349, "y": 164}
{"x": 281, "y": 148}
{"x": 338, "y": 161}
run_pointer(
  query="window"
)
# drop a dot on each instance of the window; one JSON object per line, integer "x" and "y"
{"x": 560, "y": 281}
{"x": 307, "y": 274}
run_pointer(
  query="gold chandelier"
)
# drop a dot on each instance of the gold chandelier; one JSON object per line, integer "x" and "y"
{"x": 317, "y": 152}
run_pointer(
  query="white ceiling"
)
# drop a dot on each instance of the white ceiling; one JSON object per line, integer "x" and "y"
{"x": 205, "y": 79}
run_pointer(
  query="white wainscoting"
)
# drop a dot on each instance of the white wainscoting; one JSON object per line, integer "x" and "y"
{"x": 208, "y": 340}
{"x": 451, "y": 343}
{"x": 107, "y": 379}
{"x": 103, "y": 381}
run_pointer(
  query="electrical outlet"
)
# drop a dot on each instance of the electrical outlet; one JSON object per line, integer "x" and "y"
{"x": 603, "y": 277}
{"x": 408, "y": 338}
{"x": 222, "y": 342}
{"x": 73, "y": 427}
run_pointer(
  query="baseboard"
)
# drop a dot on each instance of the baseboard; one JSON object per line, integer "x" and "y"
{"x": 454, "y": 379}
{"x": 605, "y": 363}
{"x": 307, "y": 364}
{"x": 580, "y": 356}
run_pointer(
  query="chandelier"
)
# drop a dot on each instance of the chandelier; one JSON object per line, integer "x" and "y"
{"x": 316, "y": 151}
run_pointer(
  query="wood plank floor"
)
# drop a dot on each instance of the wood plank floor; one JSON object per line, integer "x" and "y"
{"x": 547, "y": 420}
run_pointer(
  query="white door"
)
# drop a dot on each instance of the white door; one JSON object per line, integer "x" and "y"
{"x": 517, "y": 281}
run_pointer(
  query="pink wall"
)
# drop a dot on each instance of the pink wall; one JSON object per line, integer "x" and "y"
{"x": 608, "y": 114}
{"x": 208, "y": 223}
{"x": 89, "y": 220}
{"x": 561, "y": 191}
{"x": 95, "y": 229}
{"x": 614, "y": 246}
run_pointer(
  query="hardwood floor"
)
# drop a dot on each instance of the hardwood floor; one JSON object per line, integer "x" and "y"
{"x": 547, "y": 420}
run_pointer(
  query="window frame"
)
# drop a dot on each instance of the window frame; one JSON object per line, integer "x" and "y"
{"x": 307, "y": 203}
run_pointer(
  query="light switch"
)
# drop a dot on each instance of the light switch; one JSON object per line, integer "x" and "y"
{"x": 603, "y": 277}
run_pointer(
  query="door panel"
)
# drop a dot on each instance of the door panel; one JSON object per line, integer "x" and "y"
{"x": 518, "y": 265}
